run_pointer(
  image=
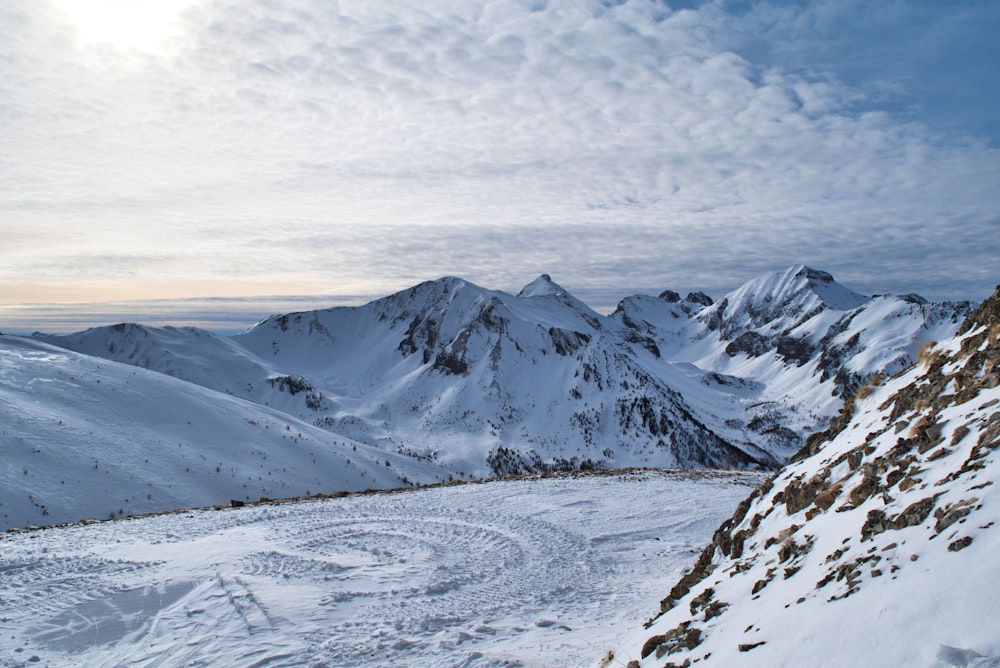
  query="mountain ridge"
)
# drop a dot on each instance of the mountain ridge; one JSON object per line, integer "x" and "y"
{"x": 485, "y": 382}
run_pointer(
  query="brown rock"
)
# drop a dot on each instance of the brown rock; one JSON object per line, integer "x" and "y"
{"x": 960, "y": 544}
{"x": 749, "y": 646}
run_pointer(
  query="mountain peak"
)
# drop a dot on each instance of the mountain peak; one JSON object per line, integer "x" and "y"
{"x": 543, "y": 286}
{"x": 800, "y": 278}
{"x": 699, "y": 298}
{"x": 798, "y": 288}
{"x": 780, "y": 301}
{"x": 810, "y": 274}
{"x": 670, "y": 296}
{"x": 447, "y": 283}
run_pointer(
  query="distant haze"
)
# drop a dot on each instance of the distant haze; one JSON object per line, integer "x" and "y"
{"x": 215, "y": 161}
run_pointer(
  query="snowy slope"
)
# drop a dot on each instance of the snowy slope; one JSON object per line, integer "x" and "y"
{"x": 84, "y": 437}
{"x": 483, "y": 382}
{"x": 877, "y": 546}
{"x": 188, "y": 353}
{"x": 544, "y": 572}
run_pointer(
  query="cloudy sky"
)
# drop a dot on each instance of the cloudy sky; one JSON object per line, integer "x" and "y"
{"x": 214, "y": 161}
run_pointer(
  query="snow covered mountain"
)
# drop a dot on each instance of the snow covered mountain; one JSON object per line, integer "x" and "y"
{"x": 85, "y": 437}
{"x": 876, "y": 546}
{"x": 808, "y": 340}
{"x": 483, "y": 382}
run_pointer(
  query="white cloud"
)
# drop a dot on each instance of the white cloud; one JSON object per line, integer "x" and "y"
{"x": 378, "y": 144}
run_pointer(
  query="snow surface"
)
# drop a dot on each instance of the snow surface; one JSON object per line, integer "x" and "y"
{"x": 536, "y": 572}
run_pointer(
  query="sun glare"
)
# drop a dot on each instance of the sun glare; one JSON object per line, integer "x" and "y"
{"x": 137, "y": 24}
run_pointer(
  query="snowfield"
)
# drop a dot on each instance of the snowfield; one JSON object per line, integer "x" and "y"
{"x": 532, "y": 572}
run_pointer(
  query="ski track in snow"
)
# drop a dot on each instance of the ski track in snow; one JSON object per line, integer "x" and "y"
{"x": 513, "y": 573}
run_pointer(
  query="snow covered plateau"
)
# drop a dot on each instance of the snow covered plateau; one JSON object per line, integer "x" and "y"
{"x": 543, "y": 572}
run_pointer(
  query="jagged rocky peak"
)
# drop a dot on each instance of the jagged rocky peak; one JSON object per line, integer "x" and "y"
{"x": 543, "y": 286}
{"x": 699, "y": 298}
{"x": 811, "y": 274}
{"x": 670, "y": 296}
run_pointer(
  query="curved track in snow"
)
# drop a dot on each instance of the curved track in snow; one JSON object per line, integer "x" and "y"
{"x": 532, "y": 572}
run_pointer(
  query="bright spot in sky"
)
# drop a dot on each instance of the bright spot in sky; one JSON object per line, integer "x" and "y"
{"x": 138, "y": 24}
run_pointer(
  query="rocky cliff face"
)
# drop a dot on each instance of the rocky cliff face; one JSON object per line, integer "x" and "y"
{"x": 875, "y": 546}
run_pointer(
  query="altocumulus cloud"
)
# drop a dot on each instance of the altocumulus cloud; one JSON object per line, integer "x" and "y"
{"x": 358, "y": 147}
